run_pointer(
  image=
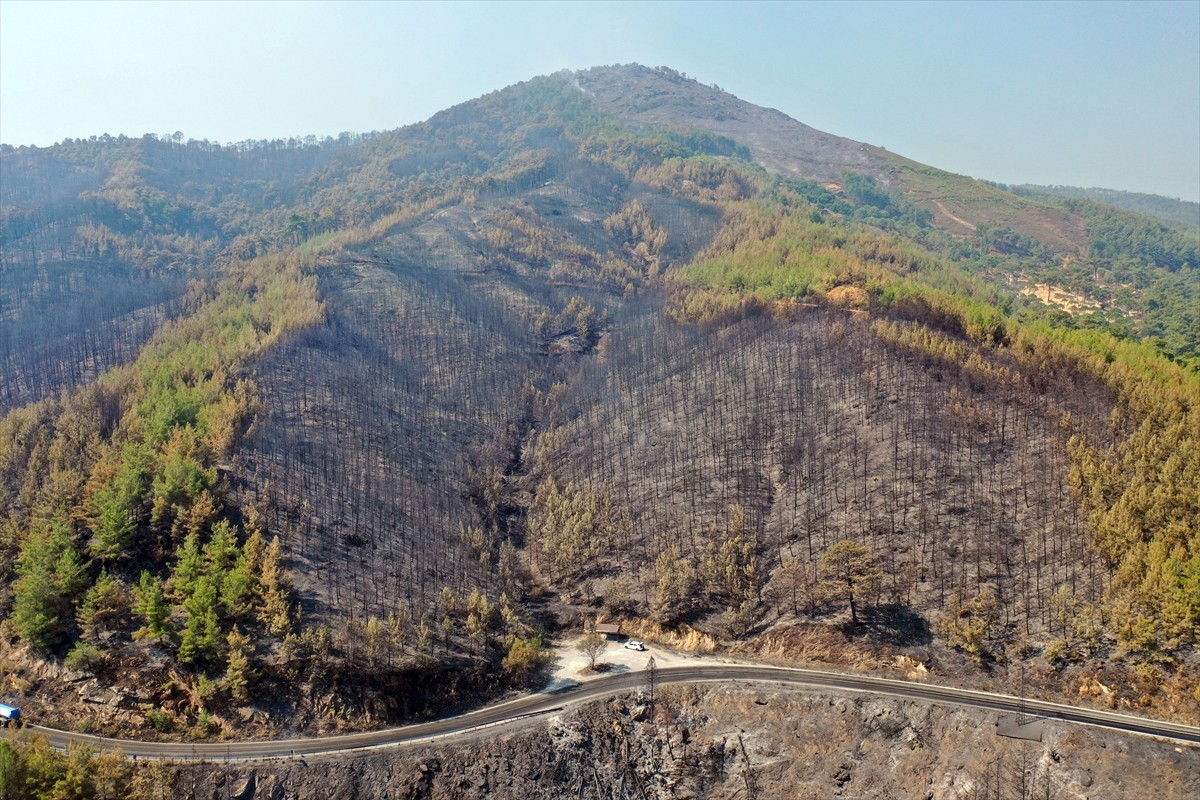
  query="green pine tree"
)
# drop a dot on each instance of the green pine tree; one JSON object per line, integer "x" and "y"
{"x": 50, "y": 575}
{"x": 201, "y": 636}
{"x": 151, "y": 606}
{"x": 237, "y": 670}
{"x": 103, "y": 606}
{"x": 188, "y": 566}
{"x": 275, "y": 610}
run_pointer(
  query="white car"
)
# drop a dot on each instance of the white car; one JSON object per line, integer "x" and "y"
{"x": 634, "y": 644}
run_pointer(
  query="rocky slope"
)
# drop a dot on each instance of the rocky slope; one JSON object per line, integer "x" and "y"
{"x": 730, "y": 742}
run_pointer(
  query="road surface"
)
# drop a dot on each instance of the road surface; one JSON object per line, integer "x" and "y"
{"x": 524, "y": 708}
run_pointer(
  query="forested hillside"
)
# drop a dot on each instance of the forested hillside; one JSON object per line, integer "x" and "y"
{"x": 1185, "y": 213}
{"x": 108, "y": 232}
{"x": 317, "y": 425}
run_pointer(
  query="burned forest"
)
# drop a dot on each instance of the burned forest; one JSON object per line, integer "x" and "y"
{"x": 320, "y": 434}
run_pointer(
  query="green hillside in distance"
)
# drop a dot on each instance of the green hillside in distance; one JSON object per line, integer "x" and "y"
{"x": 313, "y": 434}
{"x": 1185, "y": 213}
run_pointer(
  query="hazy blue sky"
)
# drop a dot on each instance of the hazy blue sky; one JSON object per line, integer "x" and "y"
{"x": 1089, "y": 94}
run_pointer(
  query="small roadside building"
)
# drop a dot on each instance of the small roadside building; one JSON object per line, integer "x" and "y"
{"x": 610, "y": 630}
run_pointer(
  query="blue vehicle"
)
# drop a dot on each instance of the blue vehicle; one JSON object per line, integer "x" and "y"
{"x": 9, "y": 714}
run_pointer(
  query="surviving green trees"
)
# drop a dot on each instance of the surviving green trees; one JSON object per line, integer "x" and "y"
{"x": 850, "y": 575}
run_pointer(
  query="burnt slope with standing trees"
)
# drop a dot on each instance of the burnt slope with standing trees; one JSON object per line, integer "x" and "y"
{"x": 370, "y": 401}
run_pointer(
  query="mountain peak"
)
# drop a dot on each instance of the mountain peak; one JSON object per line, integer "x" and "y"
{"x": 661, "y": 97}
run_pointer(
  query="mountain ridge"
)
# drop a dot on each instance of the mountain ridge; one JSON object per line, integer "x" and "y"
{"x": 1167, "y": 209}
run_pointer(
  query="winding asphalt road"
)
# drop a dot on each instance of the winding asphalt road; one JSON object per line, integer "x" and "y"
{"x": 525, "y": 708}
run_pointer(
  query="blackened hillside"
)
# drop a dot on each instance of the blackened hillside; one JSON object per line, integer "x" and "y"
{"x": 373, "y": 412}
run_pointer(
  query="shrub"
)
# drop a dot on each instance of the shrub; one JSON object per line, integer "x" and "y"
{"x": 524, "y": 656}
{"x": 206, "y": 725}
{"x": 159, "y": 719}
{"x": 85, "y": 657}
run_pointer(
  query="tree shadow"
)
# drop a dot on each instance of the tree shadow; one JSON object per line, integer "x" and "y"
{"x": 893, "y": 624}
{"x": 606, "y": 667}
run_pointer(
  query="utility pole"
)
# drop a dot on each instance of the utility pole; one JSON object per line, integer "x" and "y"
{"x": 1022, "y": 712}
{"x": 651, "y": 679}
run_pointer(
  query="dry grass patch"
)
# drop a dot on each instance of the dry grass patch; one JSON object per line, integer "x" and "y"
{"x": 683, "y": 638}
